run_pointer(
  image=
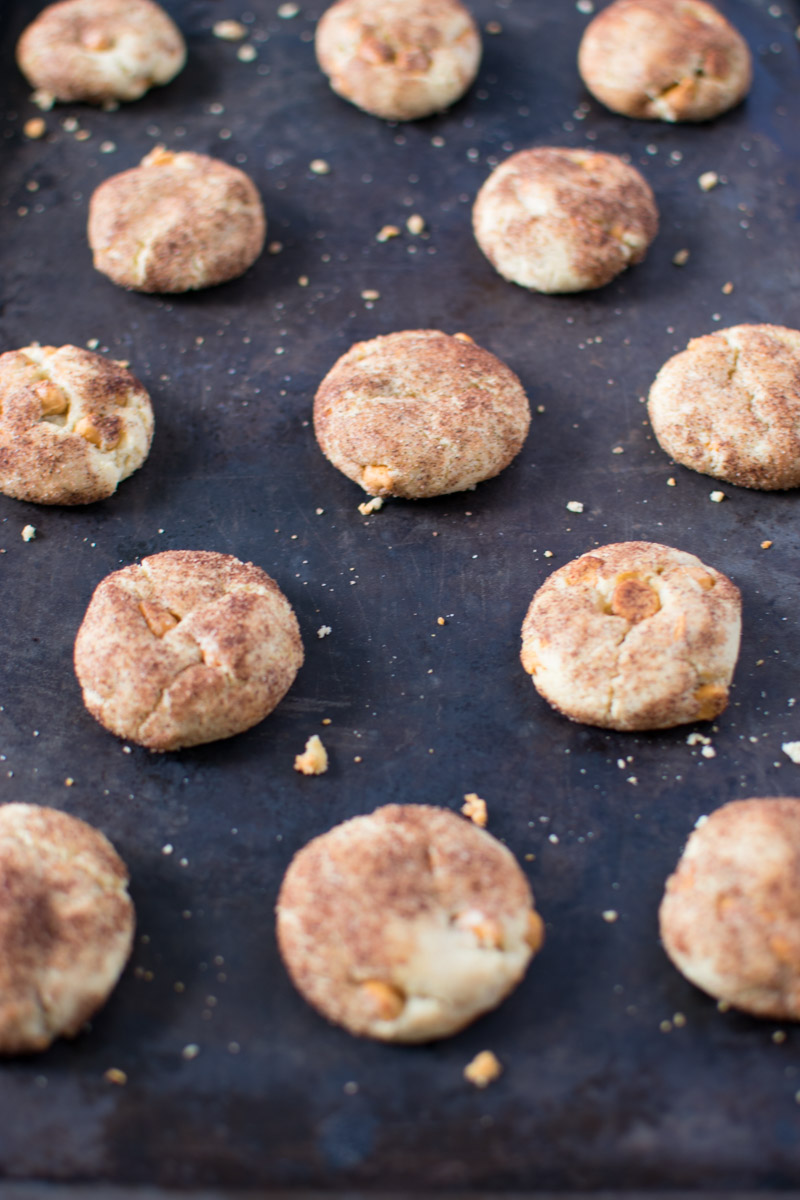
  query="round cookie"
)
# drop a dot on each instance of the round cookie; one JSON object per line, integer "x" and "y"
{"x": 100, "y": 50}
{"x": 420, "y": 413}
{"x": 730, "y": 917}
{"x": 66, "y": 925}
{"x": 729, "y": 406}
{"x": 668, "y": 60}
{"x": 399, "y": 59}
{"x": 72, "y": 425}
{"x": 175, "y": 223}
{"x": 407, "y": 924}
{"x": 186, "y": 647}
{"x": 559, "y": 220}
{"x": 634, "y": 636}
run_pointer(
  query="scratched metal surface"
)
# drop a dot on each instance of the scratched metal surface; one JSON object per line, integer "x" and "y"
{"x": 593, "y": 1093}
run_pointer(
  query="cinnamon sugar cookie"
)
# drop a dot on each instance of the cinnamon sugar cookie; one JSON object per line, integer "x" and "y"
{"x": 72, "y": 425}
{"x": 561, "y": 220}
{"x": 729, "y": 406}
{"x": 175, "y": 223}
{"x": 407, "y": 924}
{"x": 669, "y": 60}
{"x": 186, "y": 647}
{"x": 399, "y": 59}
{"x": 100, "y": 50}
{"x": 730, "y": 917}
{"x": 634, "y": 636}
{"x": 420, "y": 413}
{"x": 66, "y": 925}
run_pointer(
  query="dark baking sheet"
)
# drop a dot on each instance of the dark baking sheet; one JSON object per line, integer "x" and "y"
{"x": 594, "y": 1093}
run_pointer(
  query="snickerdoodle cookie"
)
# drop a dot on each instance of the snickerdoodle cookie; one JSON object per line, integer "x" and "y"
{"x": 560, "y": 220}
{"x": 66, "y": 925}
{"x": 730, "y": 917}
{"x": 407, "y": 924}
{"x": 420, "y": 413}
{"x": 634, "y": 636}
{"x": 100, "y": 50}
{"x": 186, "y": 647}
{"x": 72, "y": 425}
{"x": 399, "y": 59}
{"x": 668, "y": 60}
{"x": 729, "y": 406}
{"x": 177, "y": 222}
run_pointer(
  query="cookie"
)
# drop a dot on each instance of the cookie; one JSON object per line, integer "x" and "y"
{"x": 407, "y": 924}
{"x": 66, "y": 925}
{"x": 730, "y": 917}
{"x": 175, "y": 223}
{"x": 186, "y": 647}
{"x": 668, "y": 60}
{"x": 399, "y": 59}
{"x": 729, "y": 406}
{"x": 72, "y": 425}
{"x": 420, "y": 413}
{"x": 560, "y": 220}
{"x": 100, "y": 50}
{"x": 634, "y": 636}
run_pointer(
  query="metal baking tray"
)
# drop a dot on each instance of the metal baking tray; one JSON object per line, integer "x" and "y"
{"x": 597, "y": 1091}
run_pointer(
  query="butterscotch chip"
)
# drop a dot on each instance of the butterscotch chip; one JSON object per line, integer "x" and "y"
{"x": 186, "y": 647}
{"x": 100, "y": 50}
{"x": 399, "y": 59}
{"x": 66, "y": 925}
{"x": 406, "y": 924}
{"x": 669, "y": 60}
{"x": 175, "y": 223}
{"x": 560, "y": 220}
{"x": 729, "y": 406}
{"x": 730, "y": 917}
{"x": 73, "y": 424}
{"x": 634, "y": 636}
{"x": 419, "y": 414}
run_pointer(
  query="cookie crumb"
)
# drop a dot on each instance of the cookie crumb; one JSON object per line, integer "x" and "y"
{"x": 493, "y": 27}
{"x": 69, "y": 781}
{"x": 792, "y": 749}
{"x": 475, "y": 808}
{"x": 323, "y": 631}
{"x": 287, "y": 11}
{"x": 274, "y": 247}
{"x": 766, "y": 545}
{"x": 548, "y": 554}
{"x": 28, "y": 533}
{"x": 371, "y": 506}
{"x": 191, "y": 1051}
{"x": 35, "y": 128}
{"x": 779, "y": 1037}
{"x": 716, "y": 497}
{"x": 415, "y": 224}
{"x": 678, "y": 1020}
{"x": 229, "y": 31}
{"x": 43, "y": 99}
{"x": 610, "y": 916}
{"x": 727, "y": 288}
{"x": 484, "y": 1069}
{"x": 114, "y": 1075}
{"x": 575, "y": 506}
{"x": 680, "y": 257}
{"x": 319, "y": 166}
{"x": 708, "y": 180}
{"x": 708, "y": 752}
{"x": 440, "y": 621}
{"x": 247, "y": 53}
{"x": 314, "y": 759}
{"x": 370, "y": 294}
{"x": 672, "y": 481}
{"x": 388, "y": 231}
{"x": 585, "y": 6}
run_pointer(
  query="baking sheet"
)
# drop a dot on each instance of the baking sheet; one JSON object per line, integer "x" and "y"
{"x": 594, "y": 1093}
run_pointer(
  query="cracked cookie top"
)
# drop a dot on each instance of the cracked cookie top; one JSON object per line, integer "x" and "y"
{"x": 729, "y": 406}
{"x": 186, "y": 647}
{"x": 66, "y": 925}
{"x": 730, "y": 917}
{"x": 406, "y": 924}
{"x": 73, "y": 424}
{"x": 99, "y": 50}
{"x": 175, "y": 223}
{"x": 634, "y": 636}
{"x": 668, "y": 60}
{"x": 420, "y": 413}
{"x": 399, "y": 59}
{"x": 561, "y": 220}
